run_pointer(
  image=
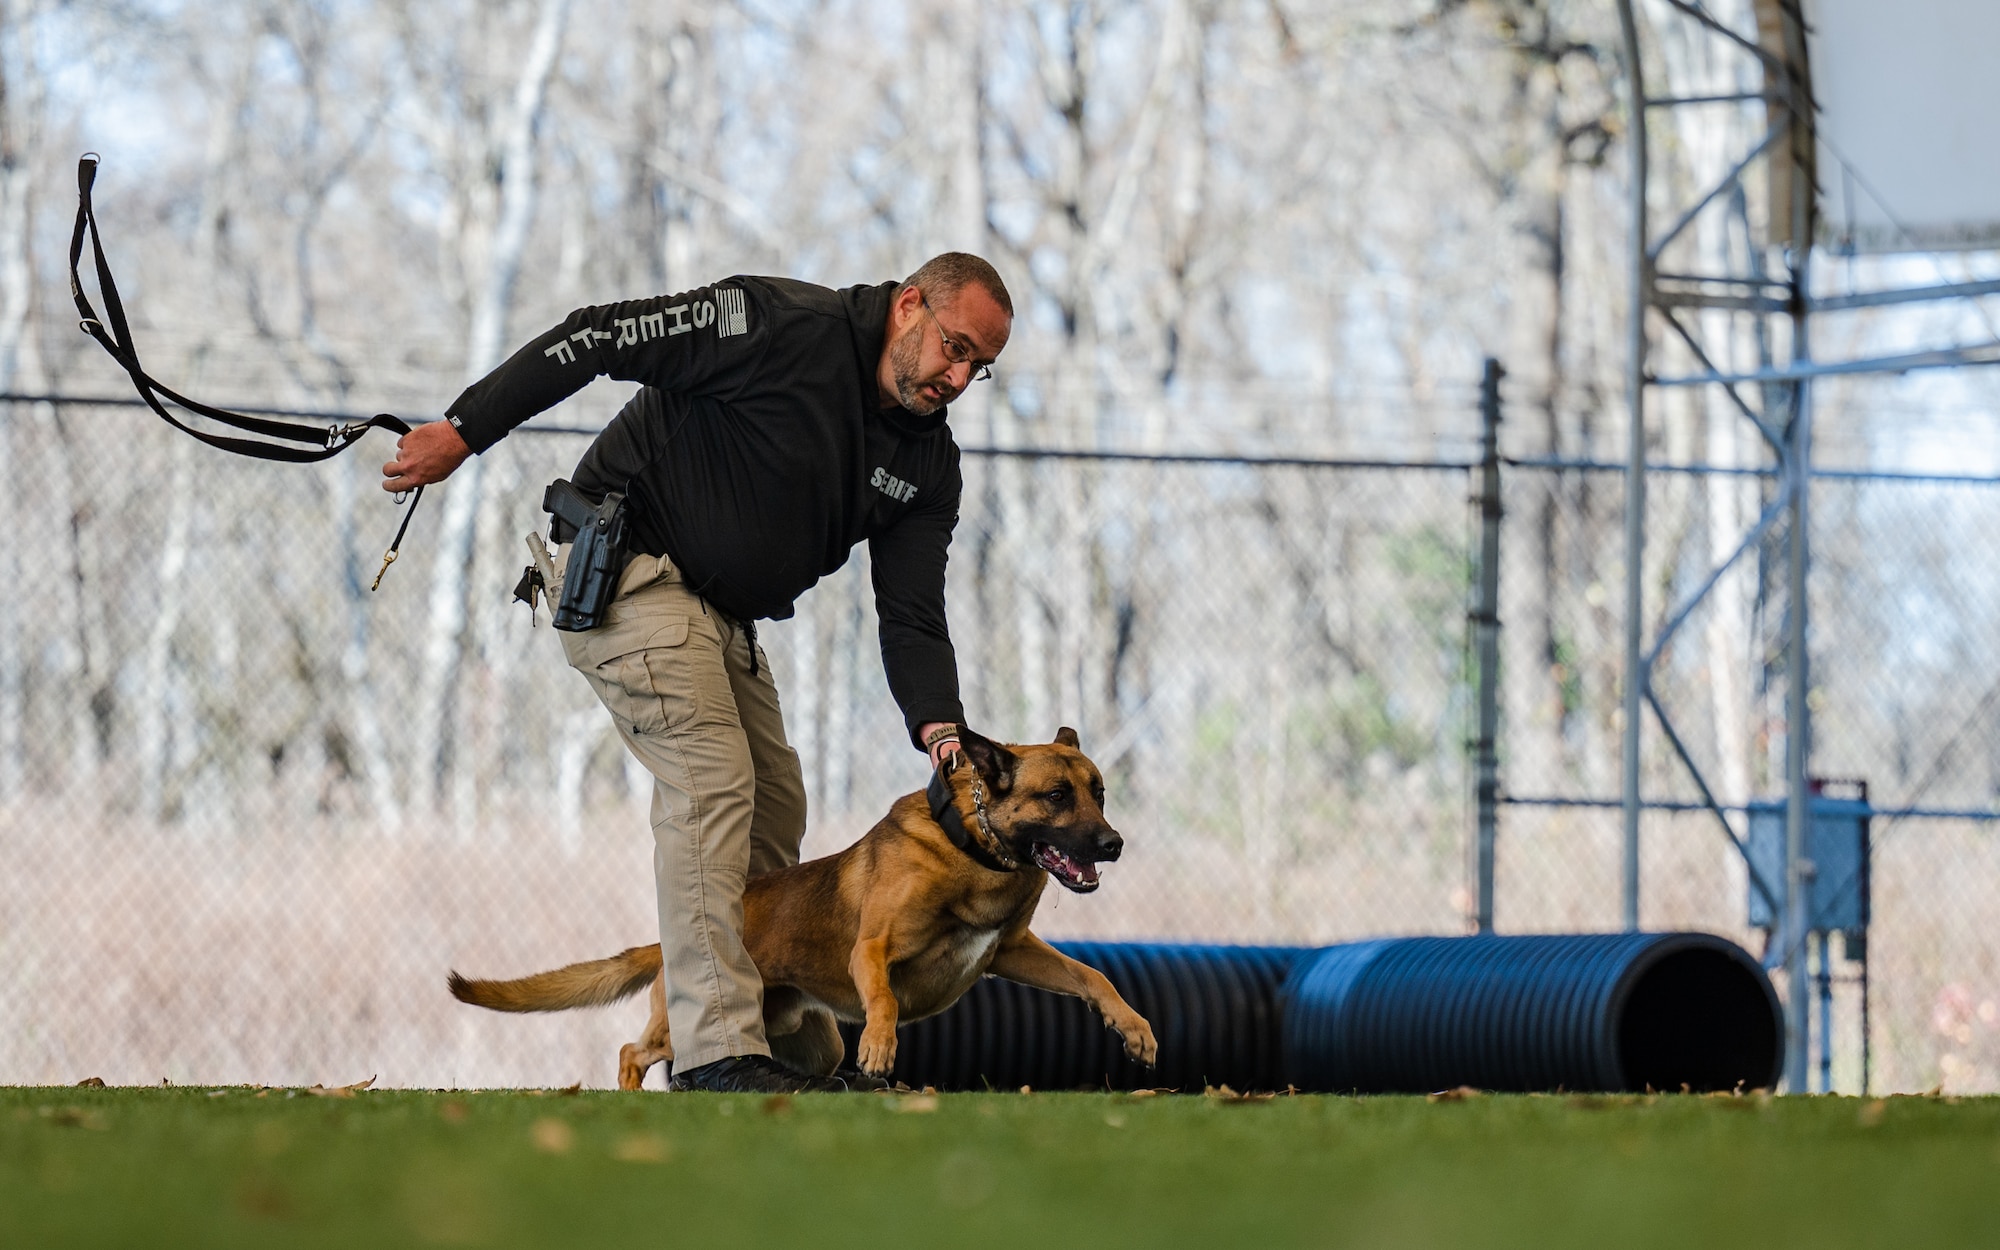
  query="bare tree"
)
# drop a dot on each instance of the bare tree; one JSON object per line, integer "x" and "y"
{"x": 481, "y": 132}
{"x": 20, "y": 115}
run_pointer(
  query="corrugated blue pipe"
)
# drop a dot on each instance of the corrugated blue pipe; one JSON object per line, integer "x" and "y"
{"x": 1593, "y": 1011}
{"x": 1216, "y": 1010}
{"x": 1580, "y": 1012}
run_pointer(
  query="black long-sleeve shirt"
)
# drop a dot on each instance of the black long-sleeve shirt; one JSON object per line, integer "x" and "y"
{"x": 756, "y": 454}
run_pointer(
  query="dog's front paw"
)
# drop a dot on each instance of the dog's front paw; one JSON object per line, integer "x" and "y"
{"x": 877, "y": 1053}
{"x": 1139, "y": 1041}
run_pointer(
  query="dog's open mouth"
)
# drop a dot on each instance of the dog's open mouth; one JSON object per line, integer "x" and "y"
{"x": 1074, "y": 874}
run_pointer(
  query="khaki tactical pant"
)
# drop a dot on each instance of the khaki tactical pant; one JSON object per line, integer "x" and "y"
{"x": 729, "y": 798}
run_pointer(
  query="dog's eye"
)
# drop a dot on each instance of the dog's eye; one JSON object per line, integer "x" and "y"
{"x": 1058, "y": 795}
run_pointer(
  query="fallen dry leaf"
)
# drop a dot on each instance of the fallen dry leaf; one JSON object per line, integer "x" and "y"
{"x": 570, "y": 1091}
{"x": 339, "y": 1091}
{"x": 91, "y": 1082}
{"x": 915, "y": 1102}
{"x": 1461, "y": 1094}
{"x": 642, "y": 1148}
{"x": 1872, "y": 1112}
{"x": 270, "y": 1139}
{"x": 1143, "y": 1093}
{"x": 552, "y": 1136}
{"x": 1226, "y": 1095}
{"x": 75, "y": 1117}
{"x": 778, "y": 1104}
{"x": 264, "y": 1198}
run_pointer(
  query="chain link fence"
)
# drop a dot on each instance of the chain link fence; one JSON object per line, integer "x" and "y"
{"x": 1905, "y": 686}
{"x": 253, "y": 812}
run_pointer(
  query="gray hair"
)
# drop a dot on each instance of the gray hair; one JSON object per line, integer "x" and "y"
{"x": 948, "y": 273}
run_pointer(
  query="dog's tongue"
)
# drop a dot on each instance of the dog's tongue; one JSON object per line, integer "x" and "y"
{"x": 1072, "y": 872}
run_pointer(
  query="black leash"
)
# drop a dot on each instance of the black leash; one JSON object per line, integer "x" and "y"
{"x": 114, "y": 335}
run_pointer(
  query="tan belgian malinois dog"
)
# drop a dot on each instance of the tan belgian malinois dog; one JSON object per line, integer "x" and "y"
{"x": 898, "y": 926}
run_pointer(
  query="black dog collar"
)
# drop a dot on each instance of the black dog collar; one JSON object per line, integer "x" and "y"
{"x": 946, "y": 814}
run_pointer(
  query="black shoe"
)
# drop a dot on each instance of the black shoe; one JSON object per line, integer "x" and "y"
{"x": 858, "y": 1081}
{"x": 753, "y": 1074}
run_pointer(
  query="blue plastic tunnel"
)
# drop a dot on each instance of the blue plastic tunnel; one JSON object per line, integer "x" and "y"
{"x": 1216, "y": 1011}
{"x": 1579, "y": 1012}
{"x": 1591, "y": 1011}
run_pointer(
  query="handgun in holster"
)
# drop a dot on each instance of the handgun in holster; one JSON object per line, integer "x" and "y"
{"x": 596, "y": 556}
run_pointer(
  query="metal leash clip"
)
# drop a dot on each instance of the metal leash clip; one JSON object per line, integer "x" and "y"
{"x": 389, "y": 556}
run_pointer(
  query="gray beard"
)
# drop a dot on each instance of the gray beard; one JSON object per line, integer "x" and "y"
{"x": 905, "y": 356}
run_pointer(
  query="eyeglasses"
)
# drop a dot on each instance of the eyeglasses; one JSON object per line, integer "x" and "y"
{"x": 954, "y": 351}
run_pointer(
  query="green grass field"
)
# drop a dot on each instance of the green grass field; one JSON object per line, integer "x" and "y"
{"x": 196, "y": 1167}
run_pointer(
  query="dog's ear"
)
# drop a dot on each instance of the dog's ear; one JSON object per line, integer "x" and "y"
{"x": 994, "y": 762}
{"x": 1066, "y": 737}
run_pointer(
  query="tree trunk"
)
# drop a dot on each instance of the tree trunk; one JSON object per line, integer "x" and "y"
{"x": 157, "y": 702}
{"x": 443, "y": 741}
{"x": 1707, "y": 142}
{"x": 20, "y": 127}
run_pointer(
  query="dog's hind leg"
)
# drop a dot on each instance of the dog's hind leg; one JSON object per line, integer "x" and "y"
{"x": 814, "y": 1046}
{"x": 783, "y": 1006}
{"x": 653, "y": 1046}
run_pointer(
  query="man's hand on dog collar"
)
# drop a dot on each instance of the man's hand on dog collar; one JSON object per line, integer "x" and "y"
{"x": 940, "y": 738}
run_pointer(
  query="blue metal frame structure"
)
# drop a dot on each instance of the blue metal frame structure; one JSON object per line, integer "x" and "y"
{"x": 1774, "y": 397}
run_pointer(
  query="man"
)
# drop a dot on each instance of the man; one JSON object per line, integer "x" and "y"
{"x": 777, "y": 425}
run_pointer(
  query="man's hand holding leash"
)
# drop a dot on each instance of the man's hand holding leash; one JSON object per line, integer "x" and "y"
{"x": 429, "y": 453}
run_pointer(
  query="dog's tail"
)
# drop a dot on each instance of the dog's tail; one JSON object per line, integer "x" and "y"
{"x": 591, "y": 984}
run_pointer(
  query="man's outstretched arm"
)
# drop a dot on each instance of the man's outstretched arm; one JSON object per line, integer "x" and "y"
{"x": 700, "y": 339}
{"x": 908, "y": 569}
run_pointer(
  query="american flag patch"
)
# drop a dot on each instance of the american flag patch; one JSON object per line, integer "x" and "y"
{"x": 729, "y": 303}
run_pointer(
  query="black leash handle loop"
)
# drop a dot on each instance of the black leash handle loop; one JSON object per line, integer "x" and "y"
{"x": 114, "y": 334}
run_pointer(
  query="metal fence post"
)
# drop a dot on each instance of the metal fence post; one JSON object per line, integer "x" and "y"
{"x": 1635, "y": 455}
{"x": 1798, "y": 747}
{"x": 1486, "y": 633}
{"x": 1798, "y": 462}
